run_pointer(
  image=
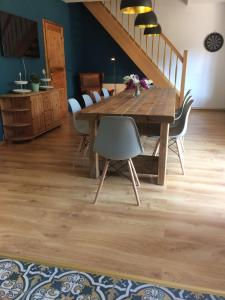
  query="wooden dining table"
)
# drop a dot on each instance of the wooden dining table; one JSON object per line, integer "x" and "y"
{"x": 153, "y": 106}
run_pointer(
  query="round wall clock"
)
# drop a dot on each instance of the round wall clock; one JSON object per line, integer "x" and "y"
{"x": 214, "y": 42}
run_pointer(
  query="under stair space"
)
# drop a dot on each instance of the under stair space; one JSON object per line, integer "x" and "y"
{"x": 155, "y": 56}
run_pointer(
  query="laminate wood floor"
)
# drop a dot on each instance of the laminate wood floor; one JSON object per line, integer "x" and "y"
{"x": 177, "y": 235}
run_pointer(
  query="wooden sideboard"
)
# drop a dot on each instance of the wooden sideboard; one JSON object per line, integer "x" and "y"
{"x": 26, "y": 116}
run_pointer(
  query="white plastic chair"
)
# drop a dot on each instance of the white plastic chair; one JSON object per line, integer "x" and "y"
{"x": 187, "y": 98}
{"x": 97, "y": 97}
{"x": 105, "y": 93}
{"x": 81, "y": 126}
{"x": 118, "y": 140}
{"x": 87, "y": 100}
{"x": 177, "y": 133}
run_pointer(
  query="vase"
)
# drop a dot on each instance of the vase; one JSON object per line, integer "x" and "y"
{"x": 137, "y": 91}
{"x": 35, "y": 87}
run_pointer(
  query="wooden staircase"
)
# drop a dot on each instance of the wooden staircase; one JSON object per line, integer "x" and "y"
{"x": 156, "y": 57}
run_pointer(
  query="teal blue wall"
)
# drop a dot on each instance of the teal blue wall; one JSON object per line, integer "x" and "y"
{"x": 54, "y": 10}
{"x": 88, "y": 47}
{"x": 93, "y": 47}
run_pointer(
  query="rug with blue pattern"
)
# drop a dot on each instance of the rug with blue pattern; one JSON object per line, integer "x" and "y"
{"x": 30, "y": 281}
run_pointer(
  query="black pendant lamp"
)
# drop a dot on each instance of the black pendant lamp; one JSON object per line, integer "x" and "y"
{"x": 135, "y": 6}
{"x": 146, "y": 20}
{"x": 153, "y": 31}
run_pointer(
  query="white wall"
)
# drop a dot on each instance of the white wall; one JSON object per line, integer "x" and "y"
{"x": 187, "y": 27}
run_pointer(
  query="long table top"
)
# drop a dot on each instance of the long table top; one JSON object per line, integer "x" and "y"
{"x": 157, "y": 104}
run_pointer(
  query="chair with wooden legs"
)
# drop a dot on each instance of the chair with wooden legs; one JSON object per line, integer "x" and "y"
{"x": 154, "y": 129}
{"x": 118, "y": 140}
{"x": 177, "y": 133}
{"x": 81, "y": 126}
{"x": 87, "y": 100}
{"x": 187, "y": 98}
{"x": 179, "y": 113}
{"x": 105, "y": 93}
{"x": 97, "y": 97}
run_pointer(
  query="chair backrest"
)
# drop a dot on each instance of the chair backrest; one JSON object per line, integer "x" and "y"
{"x": 105, "y": 93}
{"x": 74, "y": 105}
{"x": 81, "y": 126}
{"x": 118, "y": 138}
{"x": 90, "y": 82}
{"x": 87, "y": 100}
{"x": 188, "y": 94}
{"x": 187, "y": 97}
{"x": 97, "y": 96}
{"x": 183, "y": 121}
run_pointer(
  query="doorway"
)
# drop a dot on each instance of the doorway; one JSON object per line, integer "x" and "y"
{"x": 55, "y": 60}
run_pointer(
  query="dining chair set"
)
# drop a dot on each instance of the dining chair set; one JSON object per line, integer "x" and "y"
{"x": 88, "y": 100}
{"x": 118, "y": 138}
{"x": 82, "y": 126}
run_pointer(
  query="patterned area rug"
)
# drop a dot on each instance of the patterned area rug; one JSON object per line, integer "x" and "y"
{"x": 22, "y": 280}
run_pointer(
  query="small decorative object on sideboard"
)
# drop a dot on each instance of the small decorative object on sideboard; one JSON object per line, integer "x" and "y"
{"x": 133, "y": 82}
{"x": 21, "y": 83}
{"x": 35, "y": 82}
{"x": 45, "y": 82}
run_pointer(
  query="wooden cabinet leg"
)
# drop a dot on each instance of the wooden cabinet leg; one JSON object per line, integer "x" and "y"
{"x": 163, "y": 150}
{"x": 93, "y": 157}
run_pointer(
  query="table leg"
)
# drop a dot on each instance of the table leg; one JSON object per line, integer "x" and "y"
{"x": 163, "y": 150}
{"x": 93, "y": 157}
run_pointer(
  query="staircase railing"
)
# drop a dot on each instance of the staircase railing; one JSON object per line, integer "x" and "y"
{"x": 159, "y": 49}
